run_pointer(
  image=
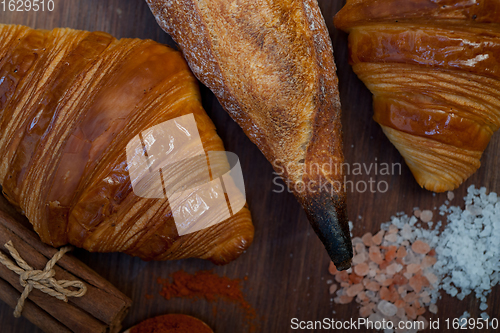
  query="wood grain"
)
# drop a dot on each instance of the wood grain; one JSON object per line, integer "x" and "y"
{"x": 287, "y": 265}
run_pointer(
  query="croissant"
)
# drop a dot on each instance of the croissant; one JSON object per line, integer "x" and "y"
{"x": 271, "y": 66}
{"x": 70, "y": 102}
{"x": 434, "y": 70}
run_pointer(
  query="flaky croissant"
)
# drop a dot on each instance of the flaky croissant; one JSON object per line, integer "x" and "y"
{"x": 271, "y": 66}
{"x": 70, "y": 102}
{"x": 434, "y": 70}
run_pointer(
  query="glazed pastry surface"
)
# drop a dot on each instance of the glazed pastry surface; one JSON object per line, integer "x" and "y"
{"x": 434, "y": 70}
{"x": 70, "y": 102}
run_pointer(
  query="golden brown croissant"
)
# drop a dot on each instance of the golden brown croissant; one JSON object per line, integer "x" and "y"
{"x": 70, "y": 102}
{"x": 434, "y": 70}
{"x": 271, "y": 66}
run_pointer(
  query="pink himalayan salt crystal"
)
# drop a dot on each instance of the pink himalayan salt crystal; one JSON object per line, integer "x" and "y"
{"x": 420, "y": 247}
{"x": 402, "y": 289}
{"x": 400, "y": 304}
{"x": 362, "y": 296}
{"x": 385, "y": 293}
{"x": 375, "y": 255}
{"x": 433, "y": 308}
{"x": 361, "y": 269}
{"x": 431, "y": 278}
{"x": 392, "y": 238}
{"x": 417, "y": 282}
{"x": 333, "y": 288}
{"x": 377, "y": 239}
{"x": 411, "y": 312}
{"x": 343, "y": 299}
{"x": 360, "y": 248}
{"x": 401, "y": 313}
{"x": 365, "y": 311}
{"x": 358, "y": 259}
{"x": 413, "y": 268}
{"x": 400, "y": 280}
{"x": 410, "y": 297}
{"x": 355, "y": 278}
{"x": 387, "y": 282}
{"x": 401, "y": 253}
{"x": 373, "y": 286}
{"x": 393, "y": 269}
{"x": 426, "y": 216}
{"x": 390, "y": 253}
{"x": 332, "y": 269}
{"x": 367, "y": 239}
{"x": 380, "y": 278}
{"x": 417, "y": 213}
{"x": 425, "y": 299}
{"x": 377, "y": 258}
{"x": 428, "y": 261}
{"x": 342, "y": 276}
{"x": 393, "y": 229}
{"x": 354, "y": 290}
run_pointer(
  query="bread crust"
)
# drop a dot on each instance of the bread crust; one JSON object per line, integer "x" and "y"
{"x": 270, "y": 64}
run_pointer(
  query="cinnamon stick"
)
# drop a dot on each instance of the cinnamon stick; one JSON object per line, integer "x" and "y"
{"x": 31, "y": 311}
{"x": 101, "y": 309}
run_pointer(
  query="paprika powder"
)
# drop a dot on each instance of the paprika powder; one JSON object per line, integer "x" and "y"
{"x": 172, "y": 323}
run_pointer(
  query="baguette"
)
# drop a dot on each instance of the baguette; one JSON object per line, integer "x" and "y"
{"x": 270, "y": 64}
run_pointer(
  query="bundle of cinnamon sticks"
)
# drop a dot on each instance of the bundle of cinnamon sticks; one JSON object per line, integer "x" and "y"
{"x": 101, "y": 309}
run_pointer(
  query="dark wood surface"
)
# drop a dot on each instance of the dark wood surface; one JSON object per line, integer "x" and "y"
{"x": 286, "y": 265}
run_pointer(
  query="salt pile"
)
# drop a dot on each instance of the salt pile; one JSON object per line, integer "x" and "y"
{"x": 397, "y": 274}
{"x": 469, "y": 247}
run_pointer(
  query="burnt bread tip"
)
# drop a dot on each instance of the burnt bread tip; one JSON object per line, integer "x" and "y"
{"x": 271, "y": 66}
{"x": 328, "y": 217}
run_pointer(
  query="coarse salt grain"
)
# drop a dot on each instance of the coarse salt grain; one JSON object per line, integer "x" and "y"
{"x": 403, "y": 280}
{"x": 426, "y": 216}
{"x": 361, "y": 269}
{"x": 333, "y": 289}
{"x": 469, "y": 252}
{"x": 420, "y": 247}
{"x": 388, "y": 309}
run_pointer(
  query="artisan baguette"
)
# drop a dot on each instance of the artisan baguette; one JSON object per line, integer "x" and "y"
{"x": 270, "y": 64}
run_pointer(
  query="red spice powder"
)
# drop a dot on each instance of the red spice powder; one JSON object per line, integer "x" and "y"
{"x": 172, "y": 323}
{"x": 209, "y": 286}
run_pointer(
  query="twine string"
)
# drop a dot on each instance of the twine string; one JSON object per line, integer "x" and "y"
{"x": 42, "y": 280}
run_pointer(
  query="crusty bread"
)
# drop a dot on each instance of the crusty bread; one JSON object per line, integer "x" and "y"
{"x": 270, "y": 64}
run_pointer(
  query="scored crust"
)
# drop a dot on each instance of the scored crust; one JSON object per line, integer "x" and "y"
{"x": 270, "y": 64}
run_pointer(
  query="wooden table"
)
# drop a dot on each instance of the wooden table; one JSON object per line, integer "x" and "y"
{"x": 287, "y": 264}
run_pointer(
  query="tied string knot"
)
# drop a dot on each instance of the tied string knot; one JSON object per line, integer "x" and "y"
{"x": 42, "y": 280}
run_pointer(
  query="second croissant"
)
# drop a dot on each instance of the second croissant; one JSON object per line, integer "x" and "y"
{"x": 434, "y": 70}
